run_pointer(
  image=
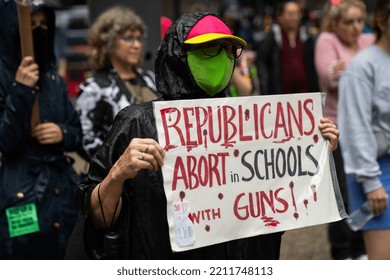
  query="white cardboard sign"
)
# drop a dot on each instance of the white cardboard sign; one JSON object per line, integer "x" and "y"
{"x": 240, "y": 167}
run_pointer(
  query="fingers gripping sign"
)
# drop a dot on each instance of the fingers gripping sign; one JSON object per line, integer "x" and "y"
{"x": 28, "y": 72}
{"x": 330, "y": 132}
{"x": 140, "y": 154}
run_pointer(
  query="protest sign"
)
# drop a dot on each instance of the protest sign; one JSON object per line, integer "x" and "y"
{"x": 240, "y": 167}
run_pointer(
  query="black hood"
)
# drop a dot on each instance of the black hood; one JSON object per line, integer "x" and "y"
{"x": 9, "y": 31}
{"x": 173, "y": 75}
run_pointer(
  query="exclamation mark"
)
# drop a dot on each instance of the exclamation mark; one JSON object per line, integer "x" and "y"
{"x": 296, "y": 215}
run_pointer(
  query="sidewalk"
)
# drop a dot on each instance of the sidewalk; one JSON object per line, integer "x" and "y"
{"x": 309, "y": 243}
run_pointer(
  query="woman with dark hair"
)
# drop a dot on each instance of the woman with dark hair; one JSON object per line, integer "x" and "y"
{"x": 364, "y": 122}
{"x": 286, "y": 54}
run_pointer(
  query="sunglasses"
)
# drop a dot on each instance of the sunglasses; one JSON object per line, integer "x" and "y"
{"x": 131, "y": 38}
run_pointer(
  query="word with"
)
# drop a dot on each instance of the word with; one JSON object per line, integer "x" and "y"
{"x": 205, "y": 215}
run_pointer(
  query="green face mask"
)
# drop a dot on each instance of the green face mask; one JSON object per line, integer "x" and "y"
{"x": 212, "y": 74}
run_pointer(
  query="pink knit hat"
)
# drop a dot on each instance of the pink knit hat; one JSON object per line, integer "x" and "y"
{"x": 211, "y": 28}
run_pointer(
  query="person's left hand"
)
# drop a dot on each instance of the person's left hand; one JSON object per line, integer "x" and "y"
{"x": 338, "y": 68}
{"x": 378, "y": 200}
{"x": 330, "y": 132}
{"x": 48, "y": 133}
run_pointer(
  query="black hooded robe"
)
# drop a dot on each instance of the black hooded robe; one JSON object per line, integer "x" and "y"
{"x": 143, "y": 220}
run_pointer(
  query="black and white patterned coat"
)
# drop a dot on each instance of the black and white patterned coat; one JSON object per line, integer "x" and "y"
{"x": 100, "y": 99}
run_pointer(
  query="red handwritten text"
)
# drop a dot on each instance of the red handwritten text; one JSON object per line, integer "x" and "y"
{"x": 194, "y": 126}
{"x": 258, "y": 204}
{"x": 203, "y": 171}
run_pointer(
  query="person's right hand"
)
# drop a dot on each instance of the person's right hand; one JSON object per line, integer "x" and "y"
{"x": 28, "y": 72}
{"x": 141, "y": 153}
{"x": 377, "y": 200}
{"x": 48, "y": 133}
{"x": 337, "y": 68}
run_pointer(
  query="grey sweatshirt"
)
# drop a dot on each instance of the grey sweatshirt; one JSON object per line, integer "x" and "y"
{"x": 364, "y": 115}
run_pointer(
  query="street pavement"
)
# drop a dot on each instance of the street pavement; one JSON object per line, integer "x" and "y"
{"x": 310, "y": 243}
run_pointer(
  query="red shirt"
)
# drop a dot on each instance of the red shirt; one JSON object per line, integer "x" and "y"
{"x": 293, "y": 71}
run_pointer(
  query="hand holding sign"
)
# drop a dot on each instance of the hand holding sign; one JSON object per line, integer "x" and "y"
{"x": 329, "y": 131}
{"x": 28, "y": 72}
{"x": 141, "y": 153}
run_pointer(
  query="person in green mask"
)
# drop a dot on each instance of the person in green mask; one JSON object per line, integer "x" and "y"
{"x": 211, "y": 54}
{"x": 216, "y": 76}
{"x": 124, "y": 190}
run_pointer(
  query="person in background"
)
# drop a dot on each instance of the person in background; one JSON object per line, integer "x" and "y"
{"x": 38, "y": 207}
{"x": 340, "y": 40}
{"x": 244, "y": 81}
{"x": 116, "y": 41}
{"x": 124, "y": 192}
{"x": 364, "y": 122}
{"x": 285, "y": 61}
{"x": 199, "y": 7}
{"x": 232, "y": 12}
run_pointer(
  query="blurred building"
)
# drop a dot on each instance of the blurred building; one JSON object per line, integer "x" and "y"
{"x": 71, "y": 45}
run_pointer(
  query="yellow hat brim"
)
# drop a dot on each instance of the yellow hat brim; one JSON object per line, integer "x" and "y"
{"x": 214, "y": 36}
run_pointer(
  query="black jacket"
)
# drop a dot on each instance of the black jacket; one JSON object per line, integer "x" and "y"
{"x": 143, "y": 223}
{"x": 31, "y": 172}
{"x": 269, "y": 65}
